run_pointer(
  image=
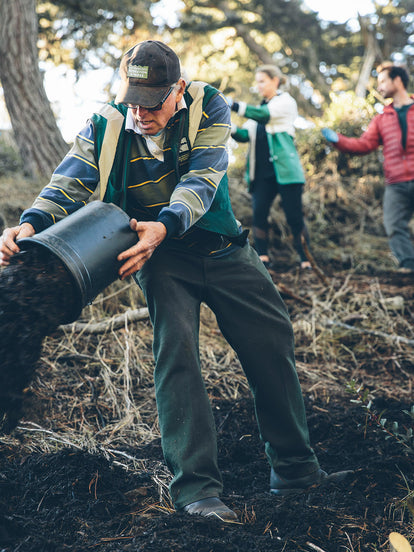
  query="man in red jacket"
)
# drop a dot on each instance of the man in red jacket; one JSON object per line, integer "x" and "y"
{"x": 394, "y": 130}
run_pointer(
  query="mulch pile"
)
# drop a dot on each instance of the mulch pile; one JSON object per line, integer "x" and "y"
{"x": 36, "y": 292}
{"x": 78, "y": 501}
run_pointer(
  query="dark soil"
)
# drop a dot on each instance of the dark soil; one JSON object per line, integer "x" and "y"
{"x": 80, "y": 500}
{"x": 77, "y": 501}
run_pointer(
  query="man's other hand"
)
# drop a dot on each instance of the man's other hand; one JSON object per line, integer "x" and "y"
{"x": 150, "y": 235}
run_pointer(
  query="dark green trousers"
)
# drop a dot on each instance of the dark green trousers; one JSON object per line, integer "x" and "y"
{"x": 254, "y": 320}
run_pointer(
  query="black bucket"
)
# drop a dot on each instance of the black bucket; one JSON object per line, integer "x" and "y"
{"x": 88, "y": 243}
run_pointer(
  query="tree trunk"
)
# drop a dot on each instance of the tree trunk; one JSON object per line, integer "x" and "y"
{"x": 371, "y": 55}
{"x": 35, "y": 130}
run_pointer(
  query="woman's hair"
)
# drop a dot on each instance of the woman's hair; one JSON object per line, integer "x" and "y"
{"x": 272, "y": 71}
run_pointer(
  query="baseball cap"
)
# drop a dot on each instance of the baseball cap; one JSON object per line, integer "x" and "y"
{"x": 147, "y": 71}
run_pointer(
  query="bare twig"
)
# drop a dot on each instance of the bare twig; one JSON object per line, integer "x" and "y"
{"x": 287, "y": 291}
{"x": 113, "y": 323}
{"x": 314, "y": 547}
{"x": 111, "y": 295}
{"x": 376, "y": 333}
{"x": 312, "y": 261}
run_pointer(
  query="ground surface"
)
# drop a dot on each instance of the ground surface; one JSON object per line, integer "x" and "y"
{"x": 76, "y": 498}
{"x": 79, "y": 501}
{"x": 84, "y": 471}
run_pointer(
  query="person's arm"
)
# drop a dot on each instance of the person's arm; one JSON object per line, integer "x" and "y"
{"x": 239, "y": 134}
{"x": 259, "y": 113}
{"x": 195, "y": 192}
{"x": 70, "y": 187}
{"x": 279, "y": 114}
{"x": 369, "y": 141}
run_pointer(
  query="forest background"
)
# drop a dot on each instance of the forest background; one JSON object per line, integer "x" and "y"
{"x": 331, "y": 66}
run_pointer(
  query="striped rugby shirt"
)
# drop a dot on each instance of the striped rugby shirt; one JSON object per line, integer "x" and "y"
{"x": 184, "y": 185}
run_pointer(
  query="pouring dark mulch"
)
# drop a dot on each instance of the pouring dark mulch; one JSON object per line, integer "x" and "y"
{"x": 35, "y": 293}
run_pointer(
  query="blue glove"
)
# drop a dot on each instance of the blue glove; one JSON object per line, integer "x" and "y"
{"x": 330, "y": 135}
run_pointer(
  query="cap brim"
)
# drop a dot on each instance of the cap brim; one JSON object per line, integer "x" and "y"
{"x": 144, "y": 96}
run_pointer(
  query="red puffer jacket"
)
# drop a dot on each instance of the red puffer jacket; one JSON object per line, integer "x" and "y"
{"x": 385, "y": 130}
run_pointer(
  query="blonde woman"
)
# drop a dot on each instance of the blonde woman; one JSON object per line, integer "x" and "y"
{"x": 273, "y": 164}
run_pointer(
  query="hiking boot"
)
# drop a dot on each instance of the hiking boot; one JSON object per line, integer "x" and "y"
{"x": 211, "y": 507}
{"x": 282, "y": 487}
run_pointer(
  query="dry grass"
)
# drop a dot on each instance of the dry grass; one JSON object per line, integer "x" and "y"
{"x": 95, "y": 391}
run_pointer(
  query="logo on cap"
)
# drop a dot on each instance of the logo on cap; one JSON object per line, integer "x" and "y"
{"x": 138, "y": 71}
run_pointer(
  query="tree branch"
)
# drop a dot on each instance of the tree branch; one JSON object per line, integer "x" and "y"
{"x": 113, "y": 323}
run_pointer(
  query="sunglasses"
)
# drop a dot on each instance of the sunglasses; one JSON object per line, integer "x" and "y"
{"x": 158, "y": 107}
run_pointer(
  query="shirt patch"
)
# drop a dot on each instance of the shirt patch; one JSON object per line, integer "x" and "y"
{"x": 184, "y": 151}
{"x": 138, "y": 71}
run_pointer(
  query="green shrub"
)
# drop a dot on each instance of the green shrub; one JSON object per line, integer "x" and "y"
{"x": 349, "y": 115}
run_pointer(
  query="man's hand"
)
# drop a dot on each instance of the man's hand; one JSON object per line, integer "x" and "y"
{"x": 8, "y": 245}
{"x": 150, "y": 235}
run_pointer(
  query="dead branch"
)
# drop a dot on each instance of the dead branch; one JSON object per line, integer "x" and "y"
{"x": 113, "y": 323}
{"x": 376, "y": 333}
{"x": 315, "y": 547}
{"x": 312, "y": 261}
{"x": 287, "y": 291}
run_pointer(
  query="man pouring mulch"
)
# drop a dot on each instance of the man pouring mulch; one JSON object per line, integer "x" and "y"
{"x": 159, "y": 151}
